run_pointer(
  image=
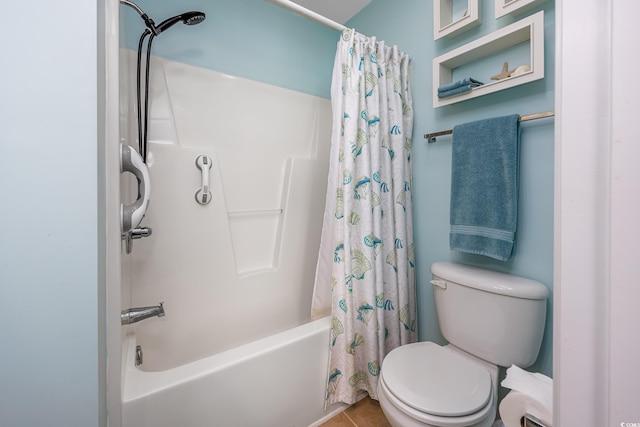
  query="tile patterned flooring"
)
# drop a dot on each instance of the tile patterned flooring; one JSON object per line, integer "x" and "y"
{"x": 365, "y": 413}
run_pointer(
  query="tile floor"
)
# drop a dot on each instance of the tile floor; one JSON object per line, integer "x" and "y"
{"x": 365, "y": 413}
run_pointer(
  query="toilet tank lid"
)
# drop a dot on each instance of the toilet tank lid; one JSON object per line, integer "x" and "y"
{"x": 489, "y": 281}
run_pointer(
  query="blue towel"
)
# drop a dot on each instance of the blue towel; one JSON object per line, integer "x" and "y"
{"x": 484, "y": 187}
{"x": 464, "y": 82}
{"x": 455, "y": 91}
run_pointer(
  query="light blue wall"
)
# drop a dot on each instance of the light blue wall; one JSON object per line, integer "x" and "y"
{"x": 260, "y": 41}
{"x": 249, "y": 38}
{"x": 49, "y": 317}
{"x": 50, "y": 362}
{"x": 409, "y": 24}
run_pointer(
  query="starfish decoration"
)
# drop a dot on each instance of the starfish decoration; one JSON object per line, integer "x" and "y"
{"x": 504, "y": 74}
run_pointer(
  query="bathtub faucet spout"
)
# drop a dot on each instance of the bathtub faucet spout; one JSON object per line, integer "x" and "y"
{"x": 133, "y": 315}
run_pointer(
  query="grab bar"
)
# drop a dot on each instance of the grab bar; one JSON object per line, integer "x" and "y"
{"x": 131, "y": 215}
{"x": 203, "y": 195}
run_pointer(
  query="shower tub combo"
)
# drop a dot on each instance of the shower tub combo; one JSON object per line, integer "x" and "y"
{"x": 236, "y": 347}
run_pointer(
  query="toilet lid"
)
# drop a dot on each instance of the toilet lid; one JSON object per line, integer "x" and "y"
{"x": 435, "y": 380}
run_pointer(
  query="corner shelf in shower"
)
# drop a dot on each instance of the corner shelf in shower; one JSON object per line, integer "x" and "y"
{"x": 528, "y": 30}
{"x": 256, "y": 239}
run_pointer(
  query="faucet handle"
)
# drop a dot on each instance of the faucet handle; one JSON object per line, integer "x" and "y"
{"x": 139, "y": 233}
{"x": 136, "y": 233}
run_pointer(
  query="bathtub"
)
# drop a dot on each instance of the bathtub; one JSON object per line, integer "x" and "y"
{"x": 276, "y": 381}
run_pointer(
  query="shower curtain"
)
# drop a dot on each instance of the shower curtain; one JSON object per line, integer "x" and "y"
{"x": 366, "y": 261}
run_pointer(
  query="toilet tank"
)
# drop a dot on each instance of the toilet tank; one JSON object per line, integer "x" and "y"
{"x": 495, "y": 316}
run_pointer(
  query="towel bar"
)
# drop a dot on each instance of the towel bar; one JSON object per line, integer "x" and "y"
{"x": 431, "y": 137}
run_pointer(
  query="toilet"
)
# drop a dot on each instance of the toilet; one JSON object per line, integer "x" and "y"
{"x": 490, "y": 319}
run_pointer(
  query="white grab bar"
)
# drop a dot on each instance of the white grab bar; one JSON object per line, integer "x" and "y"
{"x": 131, "y": 215}
{"x": 203, "y": 195}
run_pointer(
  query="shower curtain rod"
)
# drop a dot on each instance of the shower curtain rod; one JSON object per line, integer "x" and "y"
{"x": 303, "y": 11}
{"x": 431, "y": 137}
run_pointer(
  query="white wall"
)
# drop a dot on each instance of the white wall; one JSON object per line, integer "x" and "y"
{"x": 109, "y": 172}
{"x": 51, "y": 328}
{"x": 596, "y": 346}
{"x": 625, "y": 227}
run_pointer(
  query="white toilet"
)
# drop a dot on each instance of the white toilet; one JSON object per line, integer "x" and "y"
{"x": 490, "y": 319}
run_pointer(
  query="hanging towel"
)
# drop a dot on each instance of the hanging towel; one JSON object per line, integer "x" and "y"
{"x": 484, "y": 187}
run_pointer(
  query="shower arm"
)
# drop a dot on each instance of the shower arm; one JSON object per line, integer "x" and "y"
{"x": 148, "y": 21}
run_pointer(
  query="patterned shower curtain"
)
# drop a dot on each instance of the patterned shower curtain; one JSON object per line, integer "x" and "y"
{"x": 368, "y": 233}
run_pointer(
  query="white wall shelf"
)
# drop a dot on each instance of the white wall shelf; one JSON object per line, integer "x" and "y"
{"x": 529, "y": 29}
{"x": 505, "y": 7}
{"x": 446, "y": 24}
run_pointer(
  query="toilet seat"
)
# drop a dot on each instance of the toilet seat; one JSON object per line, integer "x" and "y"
{"x": 434, "y": 382}
{"x": 400, "y": 414}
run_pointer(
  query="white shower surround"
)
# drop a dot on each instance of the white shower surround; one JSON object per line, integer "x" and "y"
{"x": 235, "y": 275}
{"x": 241, "y": 267}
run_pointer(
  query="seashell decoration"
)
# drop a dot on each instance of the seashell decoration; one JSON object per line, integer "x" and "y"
{"x": 505, "y": 73}
{"x": 523, "y": 69}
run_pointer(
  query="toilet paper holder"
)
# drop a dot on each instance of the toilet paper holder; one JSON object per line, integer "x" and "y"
{"x": 531, "y": 421}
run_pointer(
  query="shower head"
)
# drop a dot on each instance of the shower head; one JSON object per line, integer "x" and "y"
{"x": 188, "y": 18}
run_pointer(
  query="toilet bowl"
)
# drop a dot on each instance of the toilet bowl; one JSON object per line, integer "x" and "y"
{"x": 426, "y": 385}
{"x": 490, "y": 319}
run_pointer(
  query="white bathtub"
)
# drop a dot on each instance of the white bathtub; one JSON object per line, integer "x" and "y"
{"x": 276, "y": 381}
